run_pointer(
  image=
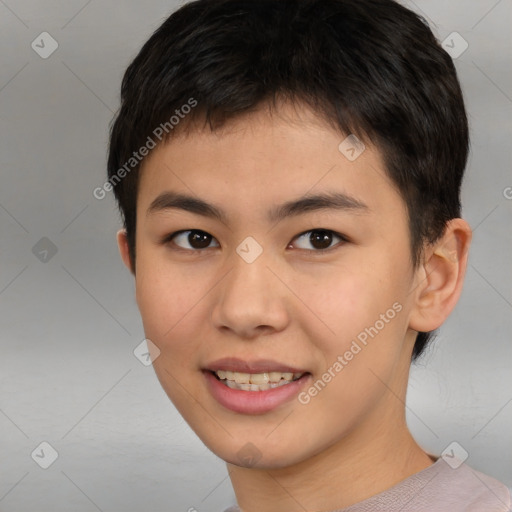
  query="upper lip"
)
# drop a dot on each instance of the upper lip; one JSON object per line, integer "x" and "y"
{"x": 257, "y": 366}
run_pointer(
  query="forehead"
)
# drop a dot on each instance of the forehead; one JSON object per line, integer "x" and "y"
{"x": 260, "y": 159}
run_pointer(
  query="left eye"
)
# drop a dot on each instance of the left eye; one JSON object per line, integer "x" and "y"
{"x": 320, "y": 239}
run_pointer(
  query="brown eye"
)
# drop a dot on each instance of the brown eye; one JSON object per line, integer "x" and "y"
{"x": 195, "y": 239}
{"x": 319, "y": 239}
{"x": 199, "y": 239}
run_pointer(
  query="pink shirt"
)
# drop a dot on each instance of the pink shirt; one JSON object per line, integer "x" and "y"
{"x": 438, "y": 488}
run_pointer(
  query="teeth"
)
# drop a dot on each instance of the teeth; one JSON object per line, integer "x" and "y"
{"x": 256, "y": 381}
{"x": 259, "y": 378}
{"x": 242, "y": 378}
{"x": 275, "y": 376}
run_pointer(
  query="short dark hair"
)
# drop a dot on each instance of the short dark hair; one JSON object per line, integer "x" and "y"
{"x": 371, "y": 68}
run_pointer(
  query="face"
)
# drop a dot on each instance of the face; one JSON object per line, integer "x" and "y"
{"x": 250, "y": 276}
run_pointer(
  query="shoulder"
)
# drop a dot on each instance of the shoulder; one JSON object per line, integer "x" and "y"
{"x": 441, "y": 486}
{"x": 475, "y": 490}
{"x": 456, "y": 487}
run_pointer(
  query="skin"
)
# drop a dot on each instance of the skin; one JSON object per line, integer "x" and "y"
{"x": 293, "y": 304}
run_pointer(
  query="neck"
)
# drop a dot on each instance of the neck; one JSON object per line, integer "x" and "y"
{"x": 379, "y": 453}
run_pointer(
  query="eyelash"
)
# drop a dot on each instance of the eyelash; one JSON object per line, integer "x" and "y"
{"x": 169, "y": 238}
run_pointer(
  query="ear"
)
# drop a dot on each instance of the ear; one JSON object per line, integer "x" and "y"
{"x": 439, "y": 279}
{"x": 122, "y": 243}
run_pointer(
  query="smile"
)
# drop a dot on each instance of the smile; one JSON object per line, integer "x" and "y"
{"x": 256, "y": 381}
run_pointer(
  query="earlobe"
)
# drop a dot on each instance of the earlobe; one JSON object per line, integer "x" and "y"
{"x": 124, "y": 250}
{"x": 441, "y": 277}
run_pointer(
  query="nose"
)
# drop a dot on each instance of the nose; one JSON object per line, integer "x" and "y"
{"x": 251, "y": 300}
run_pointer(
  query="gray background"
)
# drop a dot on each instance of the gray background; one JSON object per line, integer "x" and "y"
{"x": 68, "y": 375}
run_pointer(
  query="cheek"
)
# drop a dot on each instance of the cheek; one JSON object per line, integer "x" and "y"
{"x": 360, "y": 312}
{"x": 344, "y": 302}
{"x": 169, "y": 300}
{"x": 368, "y": 323}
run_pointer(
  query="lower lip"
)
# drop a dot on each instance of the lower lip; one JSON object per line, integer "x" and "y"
{"x": 253, "y": 402}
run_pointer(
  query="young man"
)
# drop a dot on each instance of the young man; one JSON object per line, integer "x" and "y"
{"x": 289, "y": 172}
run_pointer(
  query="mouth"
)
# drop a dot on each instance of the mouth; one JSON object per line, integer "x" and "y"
{"x": 254, "y": 386}
{"x": 255, "y": 381}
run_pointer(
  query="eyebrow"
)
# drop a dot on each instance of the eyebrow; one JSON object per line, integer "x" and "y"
{"x": 308, "y": 203}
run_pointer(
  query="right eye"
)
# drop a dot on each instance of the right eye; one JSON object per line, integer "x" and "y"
{"x": 196, "y": 239}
